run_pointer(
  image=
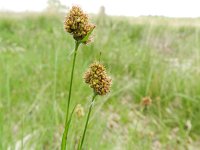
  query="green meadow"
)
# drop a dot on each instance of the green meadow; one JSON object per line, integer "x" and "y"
{"x": 152, "y": 57}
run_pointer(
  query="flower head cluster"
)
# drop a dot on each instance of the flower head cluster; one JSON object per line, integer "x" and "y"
{"x": 98, "y": 79}
{"x": 77, "y": 23}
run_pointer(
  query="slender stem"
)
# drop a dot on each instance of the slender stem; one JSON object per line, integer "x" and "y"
{"x": 69, "y": 121}
{"x": 87, "y": 120}
{"x": 72, "y": 75}
{"x": 64, "y": 137}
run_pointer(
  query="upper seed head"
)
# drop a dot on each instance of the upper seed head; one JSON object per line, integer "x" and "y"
{"x": 77, "y": 23}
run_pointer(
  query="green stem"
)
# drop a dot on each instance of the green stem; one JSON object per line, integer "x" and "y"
{"x": 69, "y": 121}
{"x": 64, "y": 137}
{"x": 87, "y": 120}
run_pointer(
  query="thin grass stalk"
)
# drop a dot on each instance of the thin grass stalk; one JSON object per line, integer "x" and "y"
{"x": 87, "y": 120}
{"x": 69, "y": 121}
{"x": 65, "y": 133}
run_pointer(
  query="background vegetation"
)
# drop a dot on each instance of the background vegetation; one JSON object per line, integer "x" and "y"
{"x": 146, "y": 56}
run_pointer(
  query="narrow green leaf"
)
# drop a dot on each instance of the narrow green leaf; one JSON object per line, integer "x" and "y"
{"x": 86, "y": 37}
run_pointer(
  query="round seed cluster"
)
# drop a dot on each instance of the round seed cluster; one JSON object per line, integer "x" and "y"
{"x": 77, "y": 23}
{"x": 98, "y": 79}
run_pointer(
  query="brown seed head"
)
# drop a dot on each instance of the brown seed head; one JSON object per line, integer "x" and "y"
{"x": 77, "y": 23}
{"x": 146, "y": 101}
{"x": 98, "y": 79}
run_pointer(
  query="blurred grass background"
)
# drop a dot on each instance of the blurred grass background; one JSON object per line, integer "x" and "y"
{"x": 146, "y": 56}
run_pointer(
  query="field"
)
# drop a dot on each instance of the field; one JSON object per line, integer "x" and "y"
{"x": 152, "y": 57}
